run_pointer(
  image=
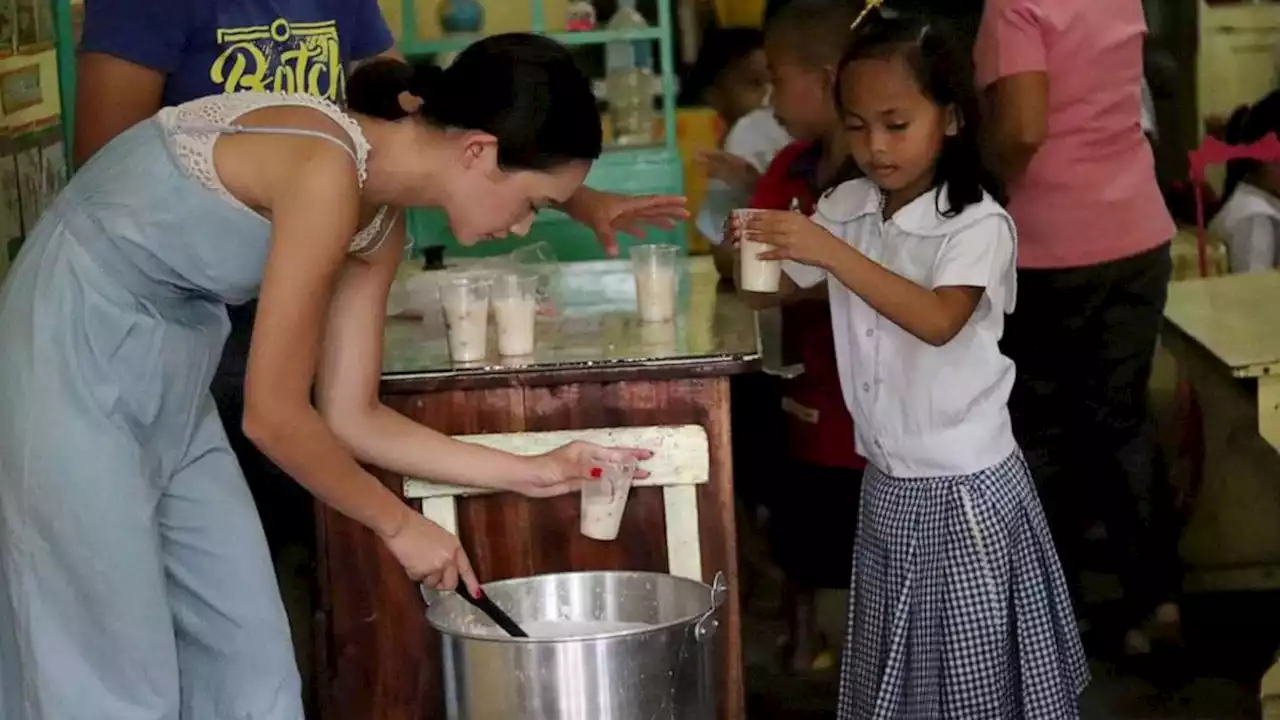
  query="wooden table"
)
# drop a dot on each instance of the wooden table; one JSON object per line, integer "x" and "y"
{"x": 1225, "y": 333}
{"x": 598, "y": 373}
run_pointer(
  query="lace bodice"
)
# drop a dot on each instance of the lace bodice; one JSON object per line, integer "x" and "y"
{"x": 193, "y": 127}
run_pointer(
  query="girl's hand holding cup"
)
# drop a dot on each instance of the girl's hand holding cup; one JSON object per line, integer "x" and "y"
{"x": 791, "y": 235}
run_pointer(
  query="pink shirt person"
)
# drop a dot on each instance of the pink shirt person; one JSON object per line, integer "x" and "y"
{"x": 1089, "y": 195}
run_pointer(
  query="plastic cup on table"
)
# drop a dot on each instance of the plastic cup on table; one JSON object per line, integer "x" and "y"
{"x": 604, "y": 500}
{"x": 657, "y": 274}
{"x": 540, "y": 259}
{"x": 515, "y": 312}
{"x": 464, "y": 300}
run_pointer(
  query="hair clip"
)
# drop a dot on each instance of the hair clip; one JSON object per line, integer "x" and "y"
{"x": 871, "y": 5}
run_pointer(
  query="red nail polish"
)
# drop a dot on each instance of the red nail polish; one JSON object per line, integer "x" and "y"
{"x": 597, "y": 473}
{"x": 476, "y": 594}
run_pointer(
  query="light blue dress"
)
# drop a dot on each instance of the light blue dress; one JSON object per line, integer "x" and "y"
{"x": 135, "y": 582}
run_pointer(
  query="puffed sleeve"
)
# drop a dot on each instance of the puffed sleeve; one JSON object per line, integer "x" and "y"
{"x": 981, "y": 255}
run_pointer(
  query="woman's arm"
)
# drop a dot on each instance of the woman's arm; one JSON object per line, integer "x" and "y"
{"x": 347, "y": 393}
{"x": 127, "y": 50}
{"x": 308, "y": 252}
{"x": 1019, "y": 108}
{"x": 1011, "y": 66}
{"x": 112, "y": 95}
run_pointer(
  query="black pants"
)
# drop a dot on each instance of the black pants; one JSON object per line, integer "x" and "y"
{"x": 813, "y": 520}
{"x": 286, "y": 508}
{"x": 758, "y": 431}
{"x": 1084, "y": 340}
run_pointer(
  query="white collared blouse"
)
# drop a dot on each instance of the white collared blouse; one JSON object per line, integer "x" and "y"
{"x": 920, "y": 410}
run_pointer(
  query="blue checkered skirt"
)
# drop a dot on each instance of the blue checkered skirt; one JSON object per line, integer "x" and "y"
{"x": 958, "y": 608}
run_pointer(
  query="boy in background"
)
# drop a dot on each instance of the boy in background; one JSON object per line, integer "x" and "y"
{"x": 732, "y": 78}
{"x": 812, "y": 517}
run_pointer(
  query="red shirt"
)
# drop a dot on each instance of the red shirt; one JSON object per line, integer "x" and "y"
{"x": 819, "y": 426}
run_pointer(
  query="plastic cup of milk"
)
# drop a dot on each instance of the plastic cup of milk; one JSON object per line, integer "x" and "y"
{"x": 515, "y": 312}
{"x": 657, "y": 275}
{"x": 605, "y": 500}
{"x": 755, "y": 275}
{"x": 464, "y": 299}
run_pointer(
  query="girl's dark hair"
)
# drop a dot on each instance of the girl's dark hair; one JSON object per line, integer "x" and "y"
{"x": 722, "y": 48}
{"x": 523, "y": 89}
{"x": 1249, "y": 124}
{"x": 944, "y": 72}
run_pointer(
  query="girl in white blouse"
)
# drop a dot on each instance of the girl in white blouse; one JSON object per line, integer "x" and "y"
{"x": 1249, "y": 220}
{"x": 958, "y": 607}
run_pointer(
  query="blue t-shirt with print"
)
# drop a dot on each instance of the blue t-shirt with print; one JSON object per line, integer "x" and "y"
{"x": 209, "y": 47}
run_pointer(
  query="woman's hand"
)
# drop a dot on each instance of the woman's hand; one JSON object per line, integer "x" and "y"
{"x": 793, "y": 237}
{"x": 564, "y": 469}
{"x": 734, "y": 171}
{"x": 430, "y": 554}
{"x": 610, "y": 213}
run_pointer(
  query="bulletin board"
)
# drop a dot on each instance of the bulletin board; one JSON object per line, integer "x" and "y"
{"x": 33, "y": 149}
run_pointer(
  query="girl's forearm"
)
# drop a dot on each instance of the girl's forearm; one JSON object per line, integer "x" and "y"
{"x": 930, "y": 315}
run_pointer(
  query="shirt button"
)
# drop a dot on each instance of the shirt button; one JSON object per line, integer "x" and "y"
{"x": 866, "y": 387}
{"x": 870, "y": 332}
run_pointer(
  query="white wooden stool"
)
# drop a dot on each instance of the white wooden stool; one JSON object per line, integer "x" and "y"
{"x": 681, "y": 461}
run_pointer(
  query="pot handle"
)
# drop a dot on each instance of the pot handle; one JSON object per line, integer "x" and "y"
{"x": 706, "y": 626}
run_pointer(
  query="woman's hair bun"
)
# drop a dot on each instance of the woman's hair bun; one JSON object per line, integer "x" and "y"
{"x": 525, "y": 90}
{"x": 374, "y": 88}
{"x": 427, "y": 80}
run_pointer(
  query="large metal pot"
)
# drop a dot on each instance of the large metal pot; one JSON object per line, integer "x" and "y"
{"x": 665, "y": 671}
